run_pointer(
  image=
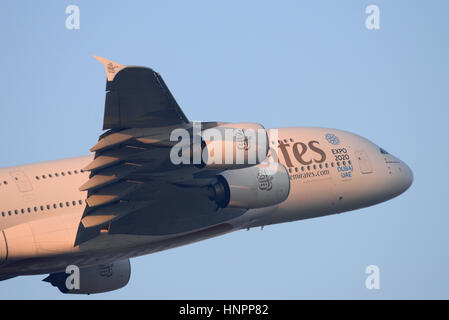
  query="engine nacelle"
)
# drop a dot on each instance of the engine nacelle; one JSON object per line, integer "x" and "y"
{"x": 234, "y": 146}
{"x": 96, "y": 279}
{"x": 259, "y": 186}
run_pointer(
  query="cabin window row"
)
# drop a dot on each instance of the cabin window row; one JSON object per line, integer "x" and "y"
{"x": 57, "y": 174}
{"x": 42, "y": 208}
{"x": 320, "y": 166}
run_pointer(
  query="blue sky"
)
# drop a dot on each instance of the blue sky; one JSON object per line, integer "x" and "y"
{"x": 285, "y": 63}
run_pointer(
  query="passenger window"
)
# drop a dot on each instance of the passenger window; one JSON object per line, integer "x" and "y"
{"x": 16, "y": 212}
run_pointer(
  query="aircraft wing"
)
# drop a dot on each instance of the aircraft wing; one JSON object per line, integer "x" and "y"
{"x": 133, "y": 187}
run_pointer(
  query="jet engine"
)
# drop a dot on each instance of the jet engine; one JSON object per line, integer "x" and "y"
{"x": 96, "y": 279}
{"x": 258, "y": 186}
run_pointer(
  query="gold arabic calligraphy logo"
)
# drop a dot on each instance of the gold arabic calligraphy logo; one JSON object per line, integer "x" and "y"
{"x": 265, "y": 180}
{"x": 242, "y": 140}
{"x": 106, "y": 270}
{"x": 111, "y": 67}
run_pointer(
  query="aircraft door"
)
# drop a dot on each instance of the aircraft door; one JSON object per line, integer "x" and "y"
{"x": 364, "y": 162}
{"x": 21, "y": 180}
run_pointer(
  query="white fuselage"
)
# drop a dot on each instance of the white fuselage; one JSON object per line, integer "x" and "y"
{"x": 41, "y": 205}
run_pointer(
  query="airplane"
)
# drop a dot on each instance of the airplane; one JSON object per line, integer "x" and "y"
{"x": 143, "y": 189}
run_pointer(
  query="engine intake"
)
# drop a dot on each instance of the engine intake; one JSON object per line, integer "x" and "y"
{"x": 254, "y": 187}
{"x": 95, "y": 279}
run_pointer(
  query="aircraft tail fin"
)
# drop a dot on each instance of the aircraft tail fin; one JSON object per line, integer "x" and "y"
{"x": 111, "y": 67}
{"x": 137, "y": 97}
